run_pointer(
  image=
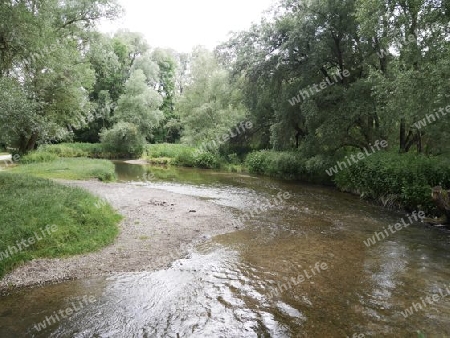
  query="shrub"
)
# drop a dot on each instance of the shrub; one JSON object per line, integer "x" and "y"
{"x": 206, "y": 160}
{"x": 166, "y": 150}
{"x": 289, "y": 165}
{"x": 124, "y": 139}
{"x": 405, "y": 178}
{"x": 185, "y": 158}
{"x": 256, "y": 162}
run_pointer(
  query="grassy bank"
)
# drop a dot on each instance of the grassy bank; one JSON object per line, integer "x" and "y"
{"x": 397, "y": 180}
{"x": 28, "y": 205}
{"x": 185, "y": 156}
{"x": 47, "y": 165}
{"x": 289, "y": 165}
{"x": 160, "y": 154}
{"x": 392, "y": 179}
{"x": 77, "y": 150}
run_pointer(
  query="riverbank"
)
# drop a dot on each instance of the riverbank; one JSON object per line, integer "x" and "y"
{"x": 158, "y": 228}
{"x": 42, "y": 219}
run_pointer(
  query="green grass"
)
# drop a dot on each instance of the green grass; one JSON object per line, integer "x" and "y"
{"x": 159, "y": 154}
{"x": 181, "y": 155}
{"x": 29, "y": 204}
{"x": 166, "y": 150}
{"x": 38, "y": 157}
{"x": 77, "y": 150}
{"x": 70, "y": 169}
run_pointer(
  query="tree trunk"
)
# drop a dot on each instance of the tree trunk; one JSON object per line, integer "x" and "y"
{"x": 402, "y": 135}
{"x": 27, "y": 144}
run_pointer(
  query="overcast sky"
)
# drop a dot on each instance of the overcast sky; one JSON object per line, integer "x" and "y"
{"x": 182, "y": 24}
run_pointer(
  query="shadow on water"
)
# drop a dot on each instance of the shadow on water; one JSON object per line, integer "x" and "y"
{"x": 265, "y": 280}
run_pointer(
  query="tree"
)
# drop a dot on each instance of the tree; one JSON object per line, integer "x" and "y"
{"x": 140, "y": 104}
{"x": 395, "y": 53}
{"x": 42, "y": 49}
{"x": 210, "y": 105}
{"x": 168, "y": 65}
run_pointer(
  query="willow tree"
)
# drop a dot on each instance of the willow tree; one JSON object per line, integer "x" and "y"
{"x": 42, "y": 51}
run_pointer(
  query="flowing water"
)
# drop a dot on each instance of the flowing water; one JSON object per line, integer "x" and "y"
{"x": 298, "y": 269}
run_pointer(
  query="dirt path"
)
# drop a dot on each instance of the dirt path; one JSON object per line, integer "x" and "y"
{"x": 158, "y": 228}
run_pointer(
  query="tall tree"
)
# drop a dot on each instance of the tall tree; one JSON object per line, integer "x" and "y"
{"x": 140, "y": 104}
{"x": 210, "y": 105}
{"x": 43, "y": 48}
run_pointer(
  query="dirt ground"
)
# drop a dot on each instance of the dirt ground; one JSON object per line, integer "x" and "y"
{"x": 158, "y": 228}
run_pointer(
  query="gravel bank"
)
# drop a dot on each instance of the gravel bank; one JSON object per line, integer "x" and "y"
{"x": 158, "y": 228}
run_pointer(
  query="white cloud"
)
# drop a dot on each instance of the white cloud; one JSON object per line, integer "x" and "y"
{"x": 182, "y": 24}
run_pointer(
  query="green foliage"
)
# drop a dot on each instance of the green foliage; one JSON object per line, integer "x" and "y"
{"x": 70, "y": 149}
{"x": 420, "y": 334}
{"x": 395, "y": 53}
{"x": 256, "y": 161}
{"x": 234, "y": 159}
{"x": 289, "y": 165}
{"x": 182, "y": 155}
{"x": 16, "y": 112}
{"x": 166, "y": 150}
{"x": 185, "y": 158}
{"x": 43, "y": 62}
{"x": 83, "y": 225}
{"x": 140, "y": 104}
{"x": 194, "y": 158}
{"x": 123, "y": 139}
{"x": 210, "y": 105}
{"x": 206, "y": 160}
{"x": 38, "y": 157}
{"x": 70, "y": 169}
{"x": 93, "y": 150}
{"x": 400, "y": 179}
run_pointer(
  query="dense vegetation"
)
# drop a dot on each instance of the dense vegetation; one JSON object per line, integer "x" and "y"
{"x": 318, "y": 80}
{"x": 47, "y": 165}
{"x": 81, "y": 223}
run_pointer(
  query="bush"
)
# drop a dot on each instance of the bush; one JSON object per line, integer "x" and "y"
{"x": 166, "y": 150}
{"x": 185, "y": 158}
{"x": 256, "y": 162}
{"x": 181, "y": 155}
{"x": 289, "y": 165}
{"x": 124, "y": 139}
{"x": 406, "y": 179}
{"x": 38, "y": 157}
{"x": 206, "y": 160}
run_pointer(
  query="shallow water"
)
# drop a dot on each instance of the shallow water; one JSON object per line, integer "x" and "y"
{"x": 265, "y": 280}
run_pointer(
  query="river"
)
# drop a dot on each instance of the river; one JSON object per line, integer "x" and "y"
{"x": 298, "y": 269}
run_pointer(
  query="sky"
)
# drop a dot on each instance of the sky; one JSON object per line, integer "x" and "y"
{"x": 183, "y": 24}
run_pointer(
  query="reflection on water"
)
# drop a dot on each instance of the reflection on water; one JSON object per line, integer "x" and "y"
{"x": 246, "y": 283}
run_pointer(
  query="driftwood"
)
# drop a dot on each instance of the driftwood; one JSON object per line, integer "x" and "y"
{"x": 441, "y": 198}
